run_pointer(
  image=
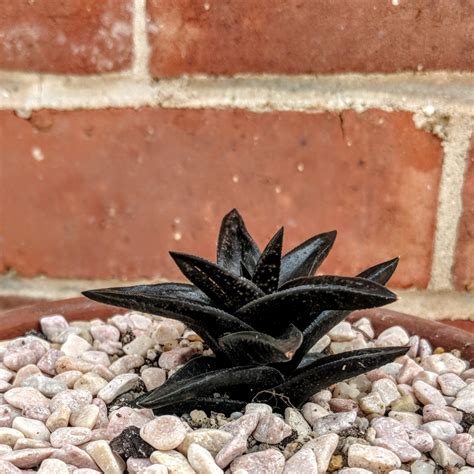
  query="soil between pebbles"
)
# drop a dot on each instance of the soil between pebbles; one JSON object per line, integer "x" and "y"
{"x": 64, "y": 394}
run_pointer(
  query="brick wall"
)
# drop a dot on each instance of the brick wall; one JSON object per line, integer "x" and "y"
{"x": 129, "y": 127}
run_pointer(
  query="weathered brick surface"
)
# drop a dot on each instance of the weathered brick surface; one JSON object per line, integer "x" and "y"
{"x": 294, "y": 37}
{"x": 464, "y": 262}
{"x": 73, "y": 36}
{"x": 107, "y": 193}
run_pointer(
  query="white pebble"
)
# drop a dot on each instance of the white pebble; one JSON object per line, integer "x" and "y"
{"x": 120, "y": 384}
{"x": 164, "y": 432}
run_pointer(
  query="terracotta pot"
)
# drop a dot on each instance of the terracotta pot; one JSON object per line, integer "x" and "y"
{"x": 16, "y": 322}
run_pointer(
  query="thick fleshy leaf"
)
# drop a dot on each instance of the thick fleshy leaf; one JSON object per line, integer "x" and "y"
{"x": 332, "y": 369}
{"x": 298, "y": 305}
{"x": 325, "y": 321}
{"x": 244, "y": 382}
{"x": 267, "y": 271}
{"x": 227, "y": 290}
{"x": 235, "y": 244}
{"x": 305, "y": 259}
{"x": 208, "y": 321}
{"x": 196, "y": 366}
{"x": 256, "y": 348}
{"x": 218, "y": 405}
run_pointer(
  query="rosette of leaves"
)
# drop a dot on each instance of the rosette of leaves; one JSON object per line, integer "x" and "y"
{"x": 260, "y": 313}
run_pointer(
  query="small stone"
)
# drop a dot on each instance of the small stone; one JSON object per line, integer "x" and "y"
{"x": 244, "y": 426}
{"x": 24, "y": 397}
{"x": 96, "y": 358}
{"x": 297, "y": 422}
{"x": 140, "y": 345}
{"x": 123, "y": 418}
{"x": 120, "y": 384}
{"x": 67, "y": 363}
{"x": 164, "y": 432}
{"x": 76, "y": 400}
{"x": 420, "y": 440}
{"x": 75, "y": 346}
{"x": 47, "y": 363}
{"x": 405, "y": 403}
{"x": 46, "y": 385}
{"x": 303, "y": 462}
{"x": 444, "y": 363}
{"x": 156, "y": 469}
{"x": 174, "y": 461}
{"x": 323, "y": 448}
{"x": 407, "y": 419}
{"x": 27, "y": 443}
{"x": 372, "y": 403}
{"x": 414, "y": 344}
{"x": 104, "y": 372}
{"x": 69, "y": 378}
{"x": 422, "y": 467}
{"x": 10, "y": 436}
{"x": 354, "y": 470}
{"x": 86, "y": 418}
{"x": 171, "y": 359}
{"x": 342, "y": 332}
{"x": 434, "y": 412}
{"x": 442, "y": 430}
{"x": 76, "y": 456}
{"x": 445, "y": 456}
{"x": 401, "y": 448}
{"x": 53, "y": 326}
{"x": 235, "y": 447}
{"x": 53, "y": 466}
{"x": 373, "y": 458}
{"x": 167, "y": 330}
{"x": 389, "y": 428}
{"x": 271, "y": 430}
{"x": 75, "y": 436}
{"x": 450, "y": 384}
{"x": 461, "y": 444}
{"x": 201, "y": 460}
{"x": 16, "y": 359}
{"x": 211, "y": 439}
{"x": 410, "y": 369}
{"x": 269, "y": 461}
{"x": 358, "y": 342}
{"x": 344, "y": 390}
{"x": 322, "y": 344}
{"x": 261, "y": 408}
{"x": 33, "y": 429}
{"x": 323, "y": 396}
{"x": 338, "y": 405}
{"x": 127, "y": 364}
{"x": 90, "y": 382}
{"x": 393, "y": 336}
{"x": 153, "y": 377}
{"x": 104, "y": 332}
{"x": 59, "y": 418}
{"x": 129, "y": 444}
{"x": 312, "y": 412}
{"x": 8, "y": 468}
{"x": 138, "y": 465}
{"x": 103, "y": 456}
{"x": 387, "y": 390}
{"x": 431, "y": 378}
{"x": 27, "y": 458}
{"x": 427, "y": 394}
{"x": 334, "y": 423}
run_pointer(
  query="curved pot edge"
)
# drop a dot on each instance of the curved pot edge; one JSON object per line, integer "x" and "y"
{"x": 15, "y": 322}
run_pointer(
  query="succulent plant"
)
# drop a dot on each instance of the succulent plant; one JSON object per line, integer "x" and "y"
{"x": 260, "y": 313}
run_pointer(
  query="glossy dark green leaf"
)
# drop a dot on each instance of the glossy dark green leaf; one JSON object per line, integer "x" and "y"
{"x": 267, "y": 271}
{"x": 196, "y": 366}
{"x": 305, "y": 259}
{"x": 244, "y": 382}
{"x": 381, "y": 272}
{"x": 218, "y": 405}
{"x": 256, "y": 348}
{"x": 227, "y": 290}
{"x": 208, "y": 321}
{"x": 335, "y": 368}
{"x": 298, "y": 305}
{"x": 235, "y": 245}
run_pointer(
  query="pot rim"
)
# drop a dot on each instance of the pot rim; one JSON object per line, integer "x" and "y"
{"x": 15, "y": 322}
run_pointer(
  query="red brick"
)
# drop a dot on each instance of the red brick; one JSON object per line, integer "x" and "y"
{"x": 307, "y": 36}
{"x": 464, "y": 261}
{"x": 114, "y": 187}
{"x": 73, "y": 36}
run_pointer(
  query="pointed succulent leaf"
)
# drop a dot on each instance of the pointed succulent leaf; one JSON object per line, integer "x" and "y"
{"x": 325, "y": 321}
{"x": 218, "y": 405}
{"x": 235, "y": 244}
{"x": 244, "y": 271}
{"x": 256, "y": 348}
{"x": 227, "y": 290}
{"x": 206, "y": 320}
{"x": 305, "y": 259}
{"x": 267, "y": 271}
{"x": 332, "y": 369}
{"x": 244, "y": 382}
{"x": 195, "y": 366}
{"x": 298, "y": 305}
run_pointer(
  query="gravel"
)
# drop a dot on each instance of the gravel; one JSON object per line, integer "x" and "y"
{"x": 64, "y": 393}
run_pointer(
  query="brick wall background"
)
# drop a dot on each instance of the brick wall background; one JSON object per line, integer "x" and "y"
{"x": 129, "y": 127}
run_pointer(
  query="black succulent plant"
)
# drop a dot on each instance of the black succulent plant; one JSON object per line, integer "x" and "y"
{"x": 260, "y": 313}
